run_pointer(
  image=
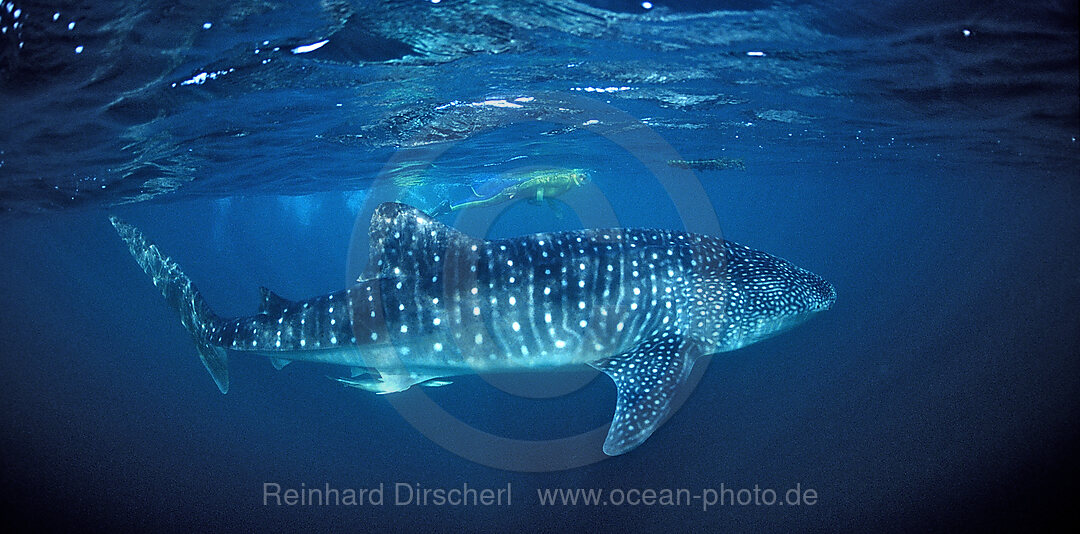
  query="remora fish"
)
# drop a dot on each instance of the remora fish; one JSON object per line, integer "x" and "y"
{"x": 640, "y": 305}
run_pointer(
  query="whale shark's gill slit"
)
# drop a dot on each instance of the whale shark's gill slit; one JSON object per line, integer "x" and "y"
{"x": 646, "y": 379}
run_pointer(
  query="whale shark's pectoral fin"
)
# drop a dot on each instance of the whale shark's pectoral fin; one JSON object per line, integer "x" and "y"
{"x": 392, "y": 383}
{"x": 647, "y": 379}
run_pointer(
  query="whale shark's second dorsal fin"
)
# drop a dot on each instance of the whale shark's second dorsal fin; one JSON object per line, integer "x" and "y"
{"x": 408, "y": 242}
{"x": 271, "y": 303}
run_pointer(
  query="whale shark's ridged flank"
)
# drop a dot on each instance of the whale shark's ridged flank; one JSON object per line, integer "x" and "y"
{"x": 182, "y": 295}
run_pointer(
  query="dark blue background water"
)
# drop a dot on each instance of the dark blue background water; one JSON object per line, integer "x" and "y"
{"x": 928, "y": 173}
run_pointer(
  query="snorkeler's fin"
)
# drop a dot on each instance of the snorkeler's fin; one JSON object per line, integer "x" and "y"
{"x": 442, "y": 209}
{"x": 556, "y": 208}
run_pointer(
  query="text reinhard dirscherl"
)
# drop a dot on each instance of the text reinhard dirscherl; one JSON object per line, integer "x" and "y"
{"x": 399, "y": 494}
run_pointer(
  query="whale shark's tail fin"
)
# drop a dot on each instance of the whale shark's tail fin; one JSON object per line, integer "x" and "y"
{"x": 182, "y": 295}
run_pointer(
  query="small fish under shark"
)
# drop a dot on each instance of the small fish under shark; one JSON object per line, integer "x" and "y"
{"x": 639, "y": 305}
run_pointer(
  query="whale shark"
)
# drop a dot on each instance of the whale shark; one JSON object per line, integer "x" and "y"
{"x": 640, "y": 305}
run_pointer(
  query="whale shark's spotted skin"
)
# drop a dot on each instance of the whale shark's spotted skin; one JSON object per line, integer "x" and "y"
{"x": 640, "y": 305}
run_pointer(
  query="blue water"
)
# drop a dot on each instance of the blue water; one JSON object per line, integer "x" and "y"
{"x": 921, "y": 156}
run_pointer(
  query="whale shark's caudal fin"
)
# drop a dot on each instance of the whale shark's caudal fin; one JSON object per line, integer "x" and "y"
{"x": 182, "y": 295}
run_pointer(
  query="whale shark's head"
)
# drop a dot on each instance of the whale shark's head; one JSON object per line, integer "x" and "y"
{"x": 761, "y": 295}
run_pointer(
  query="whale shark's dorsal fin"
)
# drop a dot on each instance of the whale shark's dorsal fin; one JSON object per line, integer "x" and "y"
{"x": 406, "y": 241}
{"x": 647, "y": 378}
{"x": 271, "y": 303}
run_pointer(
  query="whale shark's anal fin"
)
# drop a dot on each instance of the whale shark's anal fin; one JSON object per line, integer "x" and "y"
{"x": 279, "y": 363}
{"x": 647, "y": 378}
